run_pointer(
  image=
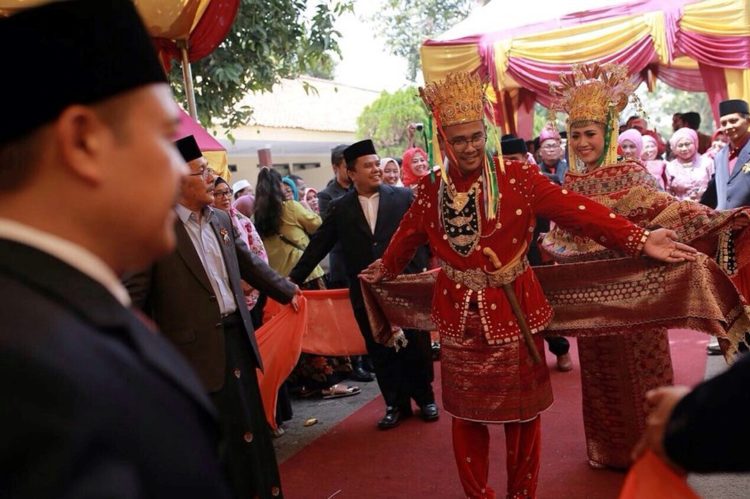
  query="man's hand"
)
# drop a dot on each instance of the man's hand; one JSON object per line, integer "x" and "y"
{"x": 411, "y": 129}
{"x": 663, "y": 400}
{"x": 295, "y": 299}
{"x": 373, "y": 273}
{"x": 742, "y": 221}
{"x": 662, "y": 245}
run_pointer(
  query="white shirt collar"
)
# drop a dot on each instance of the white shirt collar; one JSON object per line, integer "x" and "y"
{"x": 184, "y": 213}
{"x": 74, "y": 255}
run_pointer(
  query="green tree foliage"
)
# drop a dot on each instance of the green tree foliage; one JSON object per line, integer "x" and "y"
{"x": 386, "y": 119}
{"x": 664, "y": 101}
{"x": 269, "y": 40}
{"x": 405, "y": 24}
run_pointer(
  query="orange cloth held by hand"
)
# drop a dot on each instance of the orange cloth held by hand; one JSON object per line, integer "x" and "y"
{"x": 324, "y": 325}
{"x": 279, "y": 341}
{"x": 651, "y": 478}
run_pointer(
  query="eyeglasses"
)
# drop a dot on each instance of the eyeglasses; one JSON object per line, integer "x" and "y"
{"x": 205, "y": 171}
{"x": 552, "y": 146}
{"x": 222, "y": 194}
{"x": 461, "y": 143}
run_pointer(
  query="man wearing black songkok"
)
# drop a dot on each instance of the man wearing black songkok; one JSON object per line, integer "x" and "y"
{"x": 732, "y": 164}
{"x": 195, "y": 297}
{"x": 95, "y": 403}
{"x": 363, "y": 221}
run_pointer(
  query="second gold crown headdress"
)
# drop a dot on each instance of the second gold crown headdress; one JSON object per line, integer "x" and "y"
{"x": 594, "y": 93}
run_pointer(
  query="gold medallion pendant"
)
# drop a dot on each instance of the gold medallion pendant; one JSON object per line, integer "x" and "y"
{"x": 459, "y": 216}
{"x": 459, "y": 200}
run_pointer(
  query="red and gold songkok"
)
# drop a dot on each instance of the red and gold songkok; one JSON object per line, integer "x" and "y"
{"x": 458, "y": 99}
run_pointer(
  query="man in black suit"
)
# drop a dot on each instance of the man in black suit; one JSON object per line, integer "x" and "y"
{"x": 339, "y": 185}
{"x": 681, "y": 427}
{"x": 363, "y": 221}
{"x": 195, "y": 296}
{"x": 95, "y": 404}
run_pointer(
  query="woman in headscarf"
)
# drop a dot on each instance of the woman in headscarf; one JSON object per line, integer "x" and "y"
{"x": 391, "y": 172}
{"x": 289, "y": 189}
{"x": 246, "y": 205}
{"x": 631, "y": 144}
{"x": 688, "y": 173}
{"x": 310, "y": 199}
{"x": 414, "y": 166}
{"x": 719, "y": 141}
{"x": 654, "y": 165}
{"x": 618, "y": 367}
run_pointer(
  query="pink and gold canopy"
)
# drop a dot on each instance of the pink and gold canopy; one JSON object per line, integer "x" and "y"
{"x": 695, "y": 45}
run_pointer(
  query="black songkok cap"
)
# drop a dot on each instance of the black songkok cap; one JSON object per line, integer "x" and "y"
{"x": 71, "y": 52}
{"x": 513, "y": 145}
{"x": 359, "y": 149}
{"x": 733, "y": 106}
{"x": 189, "y": 149}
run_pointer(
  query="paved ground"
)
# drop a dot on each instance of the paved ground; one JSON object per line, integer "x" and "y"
{"x": 327, "y": 412}
{"x": 330, "y": 412}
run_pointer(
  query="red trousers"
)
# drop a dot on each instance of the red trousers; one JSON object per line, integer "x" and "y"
{"x": 471, "y": 447}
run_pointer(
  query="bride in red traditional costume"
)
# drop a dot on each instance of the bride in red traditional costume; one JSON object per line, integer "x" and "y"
{"x": 478, "y": 217}
{"x": 617, "y": 369}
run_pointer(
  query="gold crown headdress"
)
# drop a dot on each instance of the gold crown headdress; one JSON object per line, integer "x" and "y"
{"x": 594, "y": 93}
{"x": 459, "y": 98}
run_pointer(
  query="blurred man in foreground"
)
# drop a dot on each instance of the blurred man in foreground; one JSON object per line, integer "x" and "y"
{"x": 94, "y": 403}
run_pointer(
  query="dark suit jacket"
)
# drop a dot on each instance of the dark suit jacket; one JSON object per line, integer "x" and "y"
{"x": 707, "y": 431}
{"x": 732, "y": 189}
{"x": 337, "y": 267}
{"x": 346, "y": 223}
{"x": 177, "y": 294}
{"x": 93, "y": 403}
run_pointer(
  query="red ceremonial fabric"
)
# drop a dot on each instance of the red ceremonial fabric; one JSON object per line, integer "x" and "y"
{"x": 650, "y": 477}
{"x": 535, "y": 75}
{"x": 682, "y": 78}
{"x": 331, "y": 327}
{"x": 207, "y": 34}
{"x": 324, "y": 325}
{"x": 714, "y": 81}
{"x": 279, "y": 341}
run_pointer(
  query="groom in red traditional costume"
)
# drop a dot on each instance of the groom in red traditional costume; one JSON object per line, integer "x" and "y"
{"x": 478, "y": 217}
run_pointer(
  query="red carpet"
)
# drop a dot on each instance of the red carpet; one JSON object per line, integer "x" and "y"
{"x": 415, "y": 460}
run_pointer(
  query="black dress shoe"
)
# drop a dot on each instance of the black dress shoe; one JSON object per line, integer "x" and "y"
{"x": 429, "y": 412}
{"x": 359, "y": 374}
{"x": 391, "y": 419}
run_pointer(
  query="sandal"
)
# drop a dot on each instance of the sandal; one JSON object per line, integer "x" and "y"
{"x": 338, "y": 391}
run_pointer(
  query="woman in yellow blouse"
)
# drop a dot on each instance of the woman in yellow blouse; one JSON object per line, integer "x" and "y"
{"x": 284, "y": 226}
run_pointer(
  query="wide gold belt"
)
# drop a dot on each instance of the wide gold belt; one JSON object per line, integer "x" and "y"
{"x": 478, "y": 279}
